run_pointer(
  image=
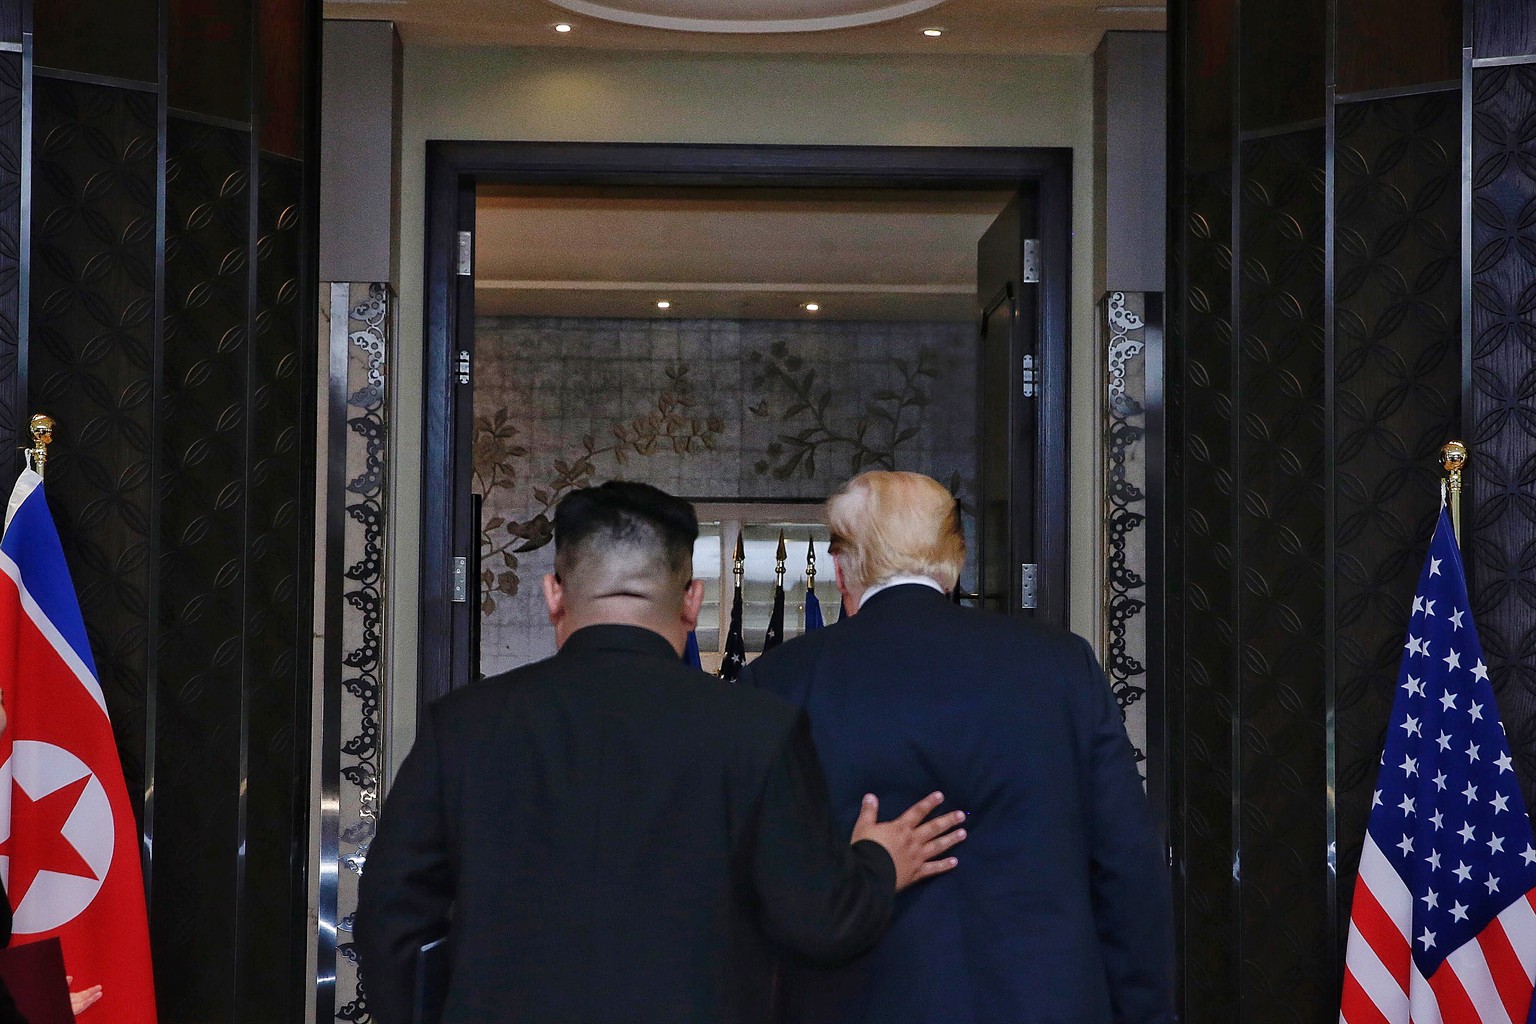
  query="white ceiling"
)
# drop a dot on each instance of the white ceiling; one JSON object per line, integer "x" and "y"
{"x": 757, "y": 26}
{"x": 861, "y": 254}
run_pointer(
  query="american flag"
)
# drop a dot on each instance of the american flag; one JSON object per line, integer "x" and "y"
{"x": 1443, "y": 927}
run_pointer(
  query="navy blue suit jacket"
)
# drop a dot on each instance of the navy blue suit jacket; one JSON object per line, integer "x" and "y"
{"x": 1060, "y": 910}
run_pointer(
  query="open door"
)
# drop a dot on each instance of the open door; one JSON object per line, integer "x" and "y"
{"x": 1021, "y": 562}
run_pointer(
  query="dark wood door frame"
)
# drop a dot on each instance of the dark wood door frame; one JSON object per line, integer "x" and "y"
{"x": 454, "y": 169}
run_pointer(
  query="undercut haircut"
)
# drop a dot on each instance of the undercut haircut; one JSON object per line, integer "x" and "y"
{"x": 624, "y": 539}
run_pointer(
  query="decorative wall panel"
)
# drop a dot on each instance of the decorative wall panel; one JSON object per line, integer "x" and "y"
{"x": 369, "y": 321}
{"x": 1201, "y": 627}
{"x": 1280, "y": 577}
{"x": 1501, "y": 418}
{"x": 1124, "y": 644}
{"x": 722, "y": 410}
{"x": 164, "y": 291}
{"x": 277, "y": 577}
{"x": 92, "y": 342}
{"x": 1397, "y": 378}
{"x": 200, "y": 732}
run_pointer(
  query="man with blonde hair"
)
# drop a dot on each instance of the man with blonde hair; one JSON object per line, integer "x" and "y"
{"x": 1061, "y": 912}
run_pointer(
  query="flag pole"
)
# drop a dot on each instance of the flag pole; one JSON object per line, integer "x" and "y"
{"x": 41, "y": 429}
{"x": 1454, "y": 458}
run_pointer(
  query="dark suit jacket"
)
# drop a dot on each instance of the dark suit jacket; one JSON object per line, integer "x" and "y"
{"x": 611, "y": 836}
{"x": 1059, "y": 912}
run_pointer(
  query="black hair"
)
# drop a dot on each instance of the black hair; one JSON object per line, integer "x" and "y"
{"x": 622, "y": 512}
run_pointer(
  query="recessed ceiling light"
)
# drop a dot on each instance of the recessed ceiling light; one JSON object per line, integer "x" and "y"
{"x": 811, "y": 307}
{"x": 663, "y": 304}
{"x": 562, "y": 27}
{"x": 933, "y": 33}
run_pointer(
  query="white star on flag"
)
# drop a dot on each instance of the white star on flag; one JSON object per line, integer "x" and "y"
{"x": 1453, "y": 659}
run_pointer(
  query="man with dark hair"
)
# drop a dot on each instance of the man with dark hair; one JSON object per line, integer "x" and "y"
{"x": 611, "y": 837}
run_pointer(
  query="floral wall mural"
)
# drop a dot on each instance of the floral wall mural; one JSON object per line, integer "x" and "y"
{"x": 709, "y": 409}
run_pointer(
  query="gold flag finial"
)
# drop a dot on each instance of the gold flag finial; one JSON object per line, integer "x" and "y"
{"x": 741, "y": 559}
{"x": 810, "y": 565}
{"x": 40, "y": 428}
{"x": 1454, "y": 458}
{"x": 778, "y": 569}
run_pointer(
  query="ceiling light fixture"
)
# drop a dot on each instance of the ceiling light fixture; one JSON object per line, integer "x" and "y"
{"x": 562, "y": 27}
{"x": 663, "y": 304}
{"x": 933, "y": 33}
{"x": 810, "y": 307}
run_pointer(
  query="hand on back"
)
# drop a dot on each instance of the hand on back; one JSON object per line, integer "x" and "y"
{"x": 916, "y": 845}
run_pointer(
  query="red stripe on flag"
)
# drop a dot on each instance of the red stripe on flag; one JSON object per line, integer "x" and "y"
{"x": 1505, "y": 968}
{"x": 1455, "y": 1005}
{"x": 1384, "y": 934}
{"x": 1355, "y": 1007}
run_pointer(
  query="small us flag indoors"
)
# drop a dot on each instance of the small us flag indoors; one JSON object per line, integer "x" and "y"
{"x": 1443, "y": 927}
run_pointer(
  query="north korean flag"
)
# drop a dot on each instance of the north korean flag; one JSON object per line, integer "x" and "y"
{"x": 69, "y": 851}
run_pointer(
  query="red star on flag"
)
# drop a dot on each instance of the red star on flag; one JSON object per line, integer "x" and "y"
{"x": 40, "y": 824}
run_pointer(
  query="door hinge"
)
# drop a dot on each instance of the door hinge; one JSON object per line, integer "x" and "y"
{"x": 467, "y": 253}
{"x": 1031, "y": 261}
{"x": 1027, "y": 589}
{"x": 1027, "y": 376}
{"x": 463, "y": 366}
{"x": 460, "y": 579}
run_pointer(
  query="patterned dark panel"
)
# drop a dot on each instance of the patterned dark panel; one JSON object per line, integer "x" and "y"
{"x": 1502, "y": 417}
{"x": 11, "y": 408}
{"x": 1388, "y": 44}
{"x": 92, "y": 364}
{"x": 276, "y": 841}
{"x": 1204, "y": 646}
{"x": 1198, "y": 613}
{"x": 198, "y": 771}
{"x": 1282, "y": 834}
{"x": 209, "y": 57}
{"x": 116, "y": 38}
{"x": 1397, "y": 379}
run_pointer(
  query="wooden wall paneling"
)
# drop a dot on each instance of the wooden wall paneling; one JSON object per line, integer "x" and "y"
{"x": 282, "y": 42}
{"x": 208, "y": 52}
{"x": 1282, "y": 44}
{"x": 1393, "y": 44}
{"x": 1502, "y": 28}
{"x": 110, "y": 38}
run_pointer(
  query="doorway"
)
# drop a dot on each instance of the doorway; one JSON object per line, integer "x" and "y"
{"x": 1016, "y": 330}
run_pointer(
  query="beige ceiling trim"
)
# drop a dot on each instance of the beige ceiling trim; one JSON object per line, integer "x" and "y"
{"x": 822, "y": 23}
{"x": 823, "y": 288}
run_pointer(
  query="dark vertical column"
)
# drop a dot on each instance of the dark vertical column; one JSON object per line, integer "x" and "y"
{"x": 1200, "y": 626}
{"x": 1501, "y": 401}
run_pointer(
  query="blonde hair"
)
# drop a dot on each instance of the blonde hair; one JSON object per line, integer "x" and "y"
{"x": 896, "y": 524}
